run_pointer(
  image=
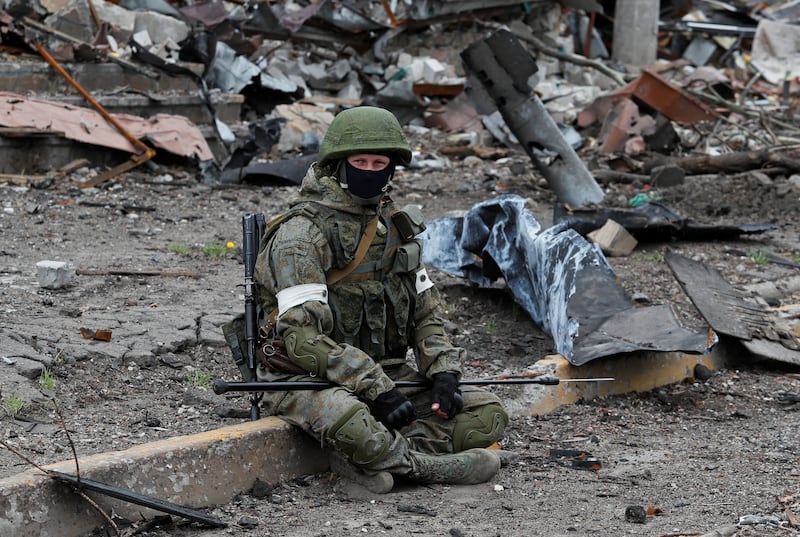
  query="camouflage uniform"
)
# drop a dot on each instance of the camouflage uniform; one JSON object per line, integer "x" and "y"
{"x": 366, "y": 323}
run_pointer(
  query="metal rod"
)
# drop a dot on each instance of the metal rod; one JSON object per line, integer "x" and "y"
{"x": 222, "y": 386}
{"x": 137, "y": 159}
{"x": 138, "y": 499}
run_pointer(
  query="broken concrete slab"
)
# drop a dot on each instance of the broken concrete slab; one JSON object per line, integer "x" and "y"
{"x": 20, "y": 387}
{"x": 232, "y": 73}
{"x": 74, "y": 19}
{"x": 775, "y": 52}
{"x": 137, "y": 333}
{"x": 220, "y": 463}
{"x": 161, "y": 28}
{"x": 192, "y": 106}
{"x": 304, "y": 127}
{"x": 613, "y": 239}
{"x": 38, "y": 77}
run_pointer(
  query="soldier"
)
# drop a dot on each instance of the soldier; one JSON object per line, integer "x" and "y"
{"x": 349, "y": 295}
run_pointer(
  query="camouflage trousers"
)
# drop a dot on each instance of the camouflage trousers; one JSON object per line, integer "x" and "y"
{"x": 317, "y": 411}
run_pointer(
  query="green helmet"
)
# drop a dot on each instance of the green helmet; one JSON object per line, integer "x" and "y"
{"x": 364, "y": 129}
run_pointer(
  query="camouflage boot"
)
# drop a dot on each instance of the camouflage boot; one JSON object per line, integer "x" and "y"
{"x": 465, "y": 468}
{"x": 376, "y": 482}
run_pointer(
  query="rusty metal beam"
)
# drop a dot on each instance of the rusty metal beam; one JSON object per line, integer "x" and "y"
{"x": 136, "y": 160}
{"x": 656, "y": 92}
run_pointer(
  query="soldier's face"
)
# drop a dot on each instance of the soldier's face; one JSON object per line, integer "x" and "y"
{"x": 369, "y": 162}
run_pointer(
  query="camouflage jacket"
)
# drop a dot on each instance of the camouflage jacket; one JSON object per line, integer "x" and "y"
{"x": 377, "y": 312}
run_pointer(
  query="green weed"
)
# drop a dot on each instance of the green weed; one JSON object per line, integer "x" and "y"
{"x": 200, "y": 379}
{"x": 653, "y": 257}
{"x": 46, "y": 380}
{"x": 179, "y": 248}
{"x": 13, "y": 405}
{"x": 58, "y": 360}
{"x": 214, "y": 249}
{"x": 759, "y": 258}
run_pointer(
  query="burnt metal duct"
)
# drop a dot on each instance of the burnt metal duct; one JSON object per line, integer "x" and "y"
{"x": 503, "y": 67}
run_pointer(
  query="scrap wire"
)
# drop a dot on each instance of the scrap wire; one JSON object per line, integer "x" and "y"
{"x": 715, "y": 98}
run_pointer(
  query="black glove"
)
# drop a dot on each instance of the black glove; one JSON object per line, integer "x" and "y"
{"x": 445, "y": 392}
{"x": 393, "y": 409}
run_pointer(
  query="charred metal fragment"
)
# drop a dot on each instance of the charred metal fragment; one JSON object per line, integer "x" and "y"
{"x": 503, "y": 67}
{"x": 654, "y": 222}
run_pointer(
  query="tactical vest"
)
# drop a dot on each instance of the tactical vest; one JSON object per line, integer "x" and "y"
{"x": 373, "y": 305}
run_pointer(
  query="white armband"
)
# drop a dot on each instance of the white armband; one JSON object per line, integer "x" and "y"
{"x": 423, "y": 282}
{"x": 300, "y": 294}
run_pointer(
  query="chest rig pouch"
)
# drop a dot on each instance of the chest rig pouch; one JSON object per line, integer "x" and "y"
{"x": 409, "y": 223}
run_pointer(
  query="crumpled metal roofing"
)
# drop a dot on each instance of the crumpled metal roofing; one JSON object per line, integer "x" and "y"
{"x": 173, "y": 133}
{"x": 561, "y": 279}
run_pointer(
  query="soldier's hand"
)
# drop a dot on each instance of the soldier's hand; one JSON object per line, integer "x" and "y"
{"x": 393, "y": 409}
{"x": 446, "y": 397}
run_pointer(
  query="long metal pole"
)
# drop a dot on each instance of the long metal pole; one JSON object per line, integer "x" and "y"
{"x": 221, "y": 386}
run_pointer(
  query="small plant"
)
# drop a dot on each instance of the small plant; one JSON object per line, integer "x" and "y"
{"x": 214, "y": 249}
{"x": 653, "y": 257}
{"x": 759, "y": 258}
{"x": 58, "y": 360}
{"x": 179, "y": 248}
{"x": 200, "y": 379}
{"x": 13, "y": 405}
{"x": 491, "y": 327}
{"x": 46, "y": 381}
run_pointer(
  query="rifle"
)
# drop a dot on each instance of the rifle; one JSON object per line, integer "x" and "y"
{"x": 220, "y": 386}
{"x": 253, "y": 226}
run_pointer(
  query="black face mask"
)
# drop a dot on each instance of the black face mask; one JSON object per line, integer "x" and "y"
{"x": 365, "y": 186}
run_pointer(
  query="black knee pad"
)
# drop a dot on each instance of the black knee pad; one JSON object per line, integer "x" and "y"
{"x": 480, "y": 427}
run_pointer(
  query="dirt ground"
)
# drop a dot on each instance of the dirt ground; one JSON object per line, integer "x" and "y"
{"x": 696, "y": 456}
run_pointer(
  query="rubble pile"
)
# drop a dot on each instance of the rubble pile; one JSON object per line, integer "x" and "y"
{"x": 263, "y": 79}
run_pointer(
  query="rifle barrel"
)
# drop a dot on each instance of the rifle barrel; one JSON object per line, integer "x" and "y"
{"x": 222, "y": 386}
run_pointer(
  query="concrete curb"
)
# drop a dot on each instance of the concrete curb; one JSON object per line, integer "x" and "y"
{"x": 196, "y": 471}
{"x": 208, "y": 469}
